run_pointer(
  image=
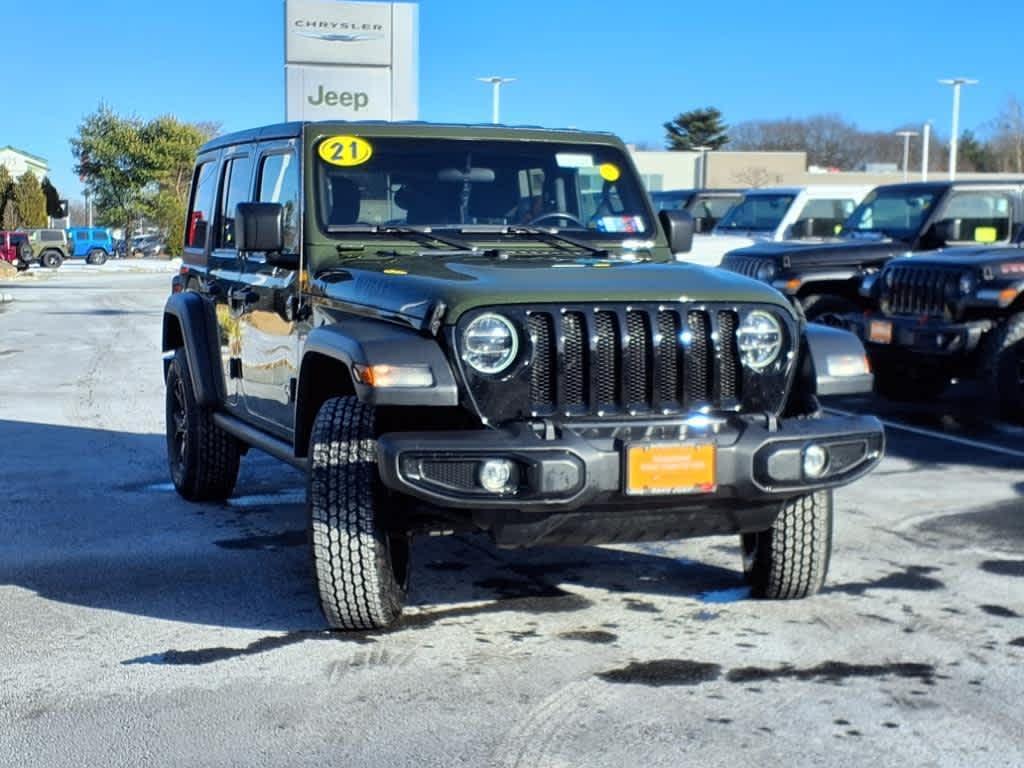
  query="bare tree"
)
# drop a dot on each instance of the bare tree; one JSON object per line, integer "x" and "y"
{"x": 77, "y": 213}
{"x": 755, "y": 176}
{"x": 832, "y": 142}
{"x": 1008, "y": 137}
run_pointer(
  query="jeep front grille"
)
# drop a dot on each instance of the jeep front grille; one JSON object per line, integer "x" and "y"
{"x": 632, "y": 360}
{"x": 921, "y": 290}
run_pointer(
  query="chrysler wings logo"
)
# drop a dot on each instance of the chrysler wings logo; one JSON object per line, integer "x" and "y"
{"x": 339, "y": 31}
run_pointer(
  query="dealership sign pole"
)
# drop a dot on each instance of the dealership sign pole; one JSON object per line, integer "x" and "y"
{"x": 351, "y": 61}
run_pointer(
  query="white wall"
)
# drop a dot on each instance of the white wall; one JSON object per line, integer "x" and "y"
{"x": 17, "y": 164}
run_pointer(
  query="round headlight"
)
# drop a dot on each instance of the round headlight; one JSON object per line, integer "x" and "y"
{"x": 759, "y": 339}
{"x": 490, "y": 344}
{"x": 766, "y": 272}
{"x": 967, "y": 284}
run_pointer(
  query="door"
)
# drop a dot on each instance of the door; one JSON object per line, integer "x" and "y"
{"x": 234, "y": 186}
{"x": 217, "y": 272}
{"x": 268, "y": 327}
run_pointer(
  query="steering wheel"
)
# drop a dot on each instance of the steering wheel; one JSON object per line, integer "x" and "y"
{"x": 557, "y": 215}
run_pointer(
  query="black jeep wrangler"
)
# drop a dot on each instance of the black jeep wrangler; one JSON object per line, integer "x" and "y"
{"x": 893, "y": 220}
{"x": 949, "y": 314}
{"x": 459, "y": 328}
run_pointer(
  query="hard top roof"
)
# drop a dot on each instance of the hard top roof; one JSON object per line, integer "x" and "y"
{"x": 938, "y": 186}
{"x": 698, "y": 191}
{"x": 410, "y": 128}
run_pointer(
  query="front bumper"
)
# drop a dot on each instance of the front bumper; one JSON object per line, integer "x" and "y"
{"x": 584, "y": 467}
{"x": 911, "y": 334}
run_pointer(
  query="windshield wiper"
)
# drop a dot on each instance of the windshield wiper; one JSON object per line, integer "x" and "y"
{"x": 423, "y": 235}
{"x": 556, "y": 238}
{"x": 537, "y": 232}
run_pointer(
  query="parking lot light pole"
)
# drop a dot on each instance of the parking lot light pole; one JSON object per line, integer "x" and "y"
{"x": 702, "y": 180}
{"x": 496, "y": 83}
{"x": 925, "y": 145}
{"x": 956, "y": 82}
{"x": 907, "y": 135}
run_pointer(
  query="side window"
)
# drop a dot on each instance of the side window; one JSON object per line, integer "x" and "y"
{"x": 979, "y": 217}
{"x": 234, "y": 189}
{"x": 82, "y": 236}
{"x": 279, "y": 183}
{"x": 200, "y": 209}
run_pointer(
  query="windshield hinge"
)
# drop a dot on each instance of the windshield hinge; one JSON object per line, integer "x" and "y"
{"x": 436, "y": 316}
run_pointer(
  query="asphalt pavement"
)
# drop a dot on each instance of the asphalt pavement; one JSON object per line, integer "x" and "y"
{"x": 136, "y": 628}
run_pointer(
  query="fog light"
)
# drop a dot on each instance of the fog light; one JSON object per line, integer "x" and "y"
{"x": 495, "y": 474}
{"x": 815, "y": 461}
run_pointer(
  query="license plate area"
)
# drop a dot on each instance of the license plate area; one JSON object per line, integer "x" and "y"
{"x": 670, "y": 468}
{"x": 880, "y": 332}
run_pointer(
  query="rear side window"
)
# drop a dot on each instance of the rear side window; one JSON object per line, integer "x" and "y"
{"x": 234, "y": 190}
{"x": 834, "y": 209}
{"x": 200, "y": 209}
{"x": 51, "y": 237}
{"x": 979, "y": 217}
{"x": 81, "y": 236}
{"x": 279, "y": 183}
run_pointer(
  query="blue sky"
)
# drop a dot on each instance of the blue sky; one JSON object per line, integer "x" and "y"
{"x": 624, "y": 67}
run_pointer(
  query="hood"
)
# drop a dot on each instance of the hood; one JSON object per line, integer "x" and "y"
{"x": 411, "y": 287}
{"x": 833, "y": 253}
{"x": 969, "y": 256}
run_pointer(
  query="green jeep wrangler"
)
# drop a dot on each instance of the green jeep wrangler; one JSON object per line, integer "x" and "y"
{"x": 468, "y": 328}
{"x": 50, "y": 247}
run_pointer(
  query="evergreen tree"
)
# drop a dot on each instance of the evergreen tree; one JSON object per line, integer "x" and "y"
{"x": 697, "y": 128}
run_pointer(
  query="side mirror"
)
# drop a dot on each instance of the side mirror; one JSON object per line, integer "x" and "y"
{"x": 945, "y": 231}
{"x": 702, "y": 224}
{"x": 679, "y": 227}
{"x": 802, "y": 229}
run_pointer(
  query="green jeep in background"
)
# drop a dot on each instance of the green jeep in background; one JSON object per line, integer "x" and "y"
{"x": 50, "y": 247}
{"x": 468, "y": 328}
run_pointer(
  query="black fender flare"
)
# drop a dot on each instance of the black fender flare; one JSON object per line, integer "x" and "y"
{"x": 190, "y": 323}
{"x": 372, "y": 342}
{"x": 840, "y": 362}
{"x": 852, "y": 275}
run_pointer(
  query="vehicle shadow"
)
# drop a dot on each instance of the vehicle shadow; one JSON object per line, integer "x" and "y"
{"x": 88, "y": 518}
{"x": 961, "y": 414}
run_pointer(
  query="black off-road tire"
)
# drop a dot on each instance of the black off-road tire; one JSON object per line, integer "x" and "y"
{"x": 96, "y": 256}
{"x": 907, "y": 383}
{"x": 202, "y": 457}
{"x": 1002, "y": 367}
{"x": 828, "y": 309}
{"x": 790, "y": 560}
{"x": 360, "y": 566}
{"x": 51, "y": 260}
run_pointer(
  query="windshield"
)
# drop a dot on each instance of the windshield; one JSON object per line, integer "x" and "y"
{"x": 712, "y": 207}
{"x": 757, "y": 213}
{"x": 896, "y": 213}
{"x": 442, "y": 183}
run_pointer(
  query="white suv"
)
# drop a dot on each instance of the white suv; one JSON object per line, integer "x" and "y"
{"x": 777, "y": 213}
